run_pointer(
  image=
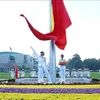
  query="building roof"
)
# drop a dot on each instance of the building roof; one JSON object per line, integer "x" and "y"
{"x": 8, "y": 52}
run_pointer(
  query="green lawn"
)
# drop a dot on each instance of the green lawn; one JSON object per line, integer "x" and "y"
{"x": 95, "y": 75}
{"x": 4, "y": 75}
{"x": 7, "y": 75}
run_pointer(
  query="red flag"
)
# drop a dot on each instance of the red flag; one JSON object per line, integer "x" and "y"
{"x": 10, "y": 49}
{"x": 16, "y": 71}
{"x": 61, "y": 23}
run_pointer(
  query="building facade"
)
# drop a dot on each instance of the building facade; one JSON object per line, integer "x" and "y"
{"x": 9, "y": 59}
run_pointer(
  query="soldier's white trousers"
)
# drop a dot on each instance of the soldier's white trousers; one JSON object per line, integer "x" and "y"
{"x": 42, "y": 69}
{"x": 62, "y": 73}
{"x": 12, "y": 76}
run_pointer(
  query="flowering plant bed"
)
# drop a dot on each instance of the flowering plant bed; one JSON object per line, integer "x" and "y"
{"x": 74, "y": 96}
{"x": 51, "y": 86}
{"x": 50, "y": 92}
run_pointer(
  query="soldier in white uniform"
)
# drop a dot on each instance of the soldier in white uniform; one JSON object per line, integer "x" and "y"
{"x": 62, "y": 63}
{"x": 67, "y": 73}
{"x": 42, "y": 66}
{"x": 80, "y": 73}
{"x": 22, "y": 73}
{"x": 33, "y": 73}
{"x": 12, "y": 73}
{"x": 86, "y": 72}
{"x": 74, "y": 73}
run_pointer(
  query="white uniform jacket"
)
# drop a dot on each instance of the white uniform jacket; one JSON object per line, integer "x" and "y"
{"x": 62, "y": 60}
{"x": 41, "y": 60}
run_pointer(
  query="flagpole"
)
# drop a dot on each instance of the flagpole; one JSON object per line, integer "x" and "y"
{"x": 52, "y": 53}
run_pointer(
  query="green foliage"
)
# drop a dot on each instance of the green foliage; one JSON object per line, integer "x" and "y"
{"x": 95, "y": 80}
{"x": 75, "y": 62}
{"x": 92, "y": 64}
{"x": 57, "y": 74}
{"x": 23, "y": 67}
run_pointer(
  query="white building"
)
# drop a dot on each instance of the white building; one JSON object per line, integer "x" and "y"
{"x": 8, "y": 59}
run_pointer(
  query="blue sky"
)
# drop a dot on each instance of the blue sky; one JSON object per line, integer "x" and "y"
{"x": 82, "y": 36}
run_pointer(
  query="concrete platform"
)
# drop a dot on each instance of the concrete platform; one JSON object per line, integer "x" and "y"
{"x": 68, "y": 80}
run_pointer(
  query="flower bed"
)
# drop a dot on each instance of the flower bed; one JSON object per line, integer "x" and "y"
{"x": 51, "y": 86}
{"x": 50, "y": 92}
{"x": 16, "y": 96}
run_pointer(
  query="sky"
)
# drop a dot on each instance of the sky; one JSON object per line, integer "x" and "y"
{"x": 82, "y": 36}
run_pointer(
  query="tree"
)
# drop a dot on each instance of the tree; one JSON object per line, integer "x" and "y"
{"x": 75, "y": 62}
{"x": 92, "y": 64}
